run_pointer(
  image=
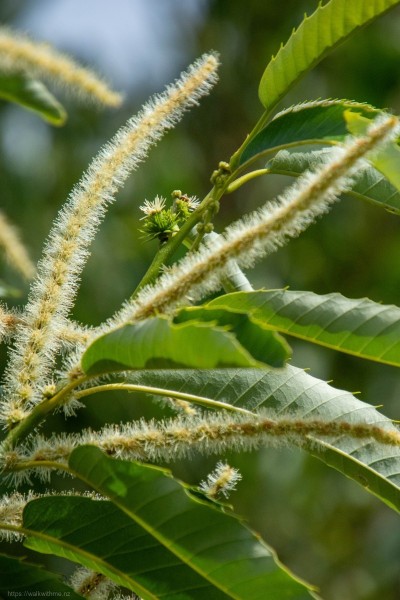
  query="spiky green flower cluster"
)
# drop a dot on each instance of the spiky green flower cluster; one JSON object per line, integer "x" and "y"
{"x": 162, "y": 222}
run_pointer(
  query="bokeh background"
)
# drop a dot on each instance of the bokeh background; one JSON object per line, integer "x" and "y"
{"x": 325, "y": 527}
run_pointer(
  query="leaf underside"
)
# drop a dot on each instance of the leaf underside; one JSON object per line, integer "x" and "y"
{"x": 292, "y": 391}
{"x": 21, "y": 579}
{"x": 368, "y": 185}
{"x": 32, "y": 94}
{"x": 359, "y": 327}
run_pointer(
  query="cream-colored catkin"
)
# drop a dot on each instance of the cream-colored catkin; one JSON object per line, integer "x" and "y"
{"x": 8, "y": 322}
{"x": 261, "y": 232}
{"x": 66, "y": 250}
{"x": 14, "y": 249}
{"x": 169, "y": 440}
{"x": 11, "y": 508}
{"x": 19, "y": 53}
{"x": 90, "y": 584}
{"x": 220, "y": 482}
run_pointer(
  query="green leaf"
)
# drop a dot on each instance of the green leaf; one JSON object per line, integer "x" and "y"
{"x": 159, "y": 343}
{"x": 369, "y": 184}
{"x": 359, "y": 327}
{"x": 264, "y": 344}
{"x": 22, "y": 579}
{"x": 32, "y": 94}
{"x": 203, "y": 536}
{"x": 9, "y": 291}
{"x": 291, "y": 391}
{"x": 320, "y": 122}
{"x": 316, "y": 36}
{"x": 99, "y": 536}
{"x": 387, "y": 160}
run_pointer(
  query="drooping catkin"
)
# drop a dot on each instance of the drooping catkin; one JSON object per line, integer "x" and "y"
{"x": 261, "y": 232}
{"x": 19, "y": 53}
{"x": 14, "y": 249}
{"x": 66, "y": 250}
{"x": 180, "y": 437}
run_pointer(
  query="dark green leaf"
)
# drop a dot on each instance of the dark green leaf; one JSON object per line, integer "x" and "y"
{"x": 32, "y": 94}
{"x": 101, "y": 537}
{"x": 20, "y": 579}
{"x": 369, "y": 184}
{"x": 211, "y": 542}
{"x": 319, "y": 122}
{"x": 316, "y": 36}
{"x": 292, "y": 391}
{"x": 359, "y": 327}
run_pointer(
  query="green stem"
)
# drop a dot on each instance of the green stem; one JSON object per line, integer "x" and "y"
{"x": 127, "y": 387}
{"x": 166, "y": 251}
{"x": 39, "y": 464}
{"x": 39, "y": 413}
{"x": 235, "y": 158}
{"x": 235, "y": 280}
{"x": 235, "y": 185}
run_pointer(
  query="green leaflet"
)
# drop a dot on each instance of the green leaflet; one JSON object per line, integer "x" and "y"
{"x": 98, "y": 535}
{"x": 25, "y": 579}
{"x": 32, "y": 94}
{"x": 316, "y": 36}
{"x": 292, "y": 391}
{"x": 359, "y": 327}
{"x": 320, "y": 122}
{"x": 195, "y": 539}
{"x": 265, "y": 345}
{"x": 387, "y": 160}
{"x": 160, "y": 343}
{"x": 369, "y": 185}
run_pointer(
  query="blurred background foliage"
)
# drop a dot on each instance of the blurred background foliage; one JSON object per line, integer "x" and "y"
{"x": 326, "y": 528}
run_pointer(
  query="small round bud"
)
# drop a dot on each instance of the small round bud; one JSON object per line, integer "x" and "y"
{"x": 49, "y": 390}
{"x": 224, "y": 166}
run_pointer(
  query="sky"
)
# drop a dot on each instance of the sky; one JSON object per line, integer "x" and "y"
{"x": 129, "y": 41}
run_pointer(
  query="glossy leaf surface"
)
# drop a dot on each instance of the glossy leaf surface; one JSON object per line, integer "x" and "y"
{"x": 32, "y": 94}
{"x": 160, "y": 343}
{"x": 154, "y": 538}
{"x": 321, "y": 122}
{"x": 317, "y": 35}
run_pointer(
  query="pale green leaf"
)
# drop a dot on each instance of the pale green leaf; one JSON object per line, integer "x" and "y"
{"x": 291, "y": 391}
{"x": 32, "y": 94}
{"x": 387, "y": 160}
{"x": 265, "y": 345}
{"x": 160, "y": 343}
{"x": 369, "y": 184}
{"x": 359, "y": 327}
{"x": 316, "y": 36}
